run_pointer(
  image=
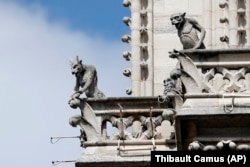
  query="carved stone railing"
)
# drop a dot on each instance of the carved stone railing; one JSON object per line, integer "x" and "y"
{"x": 122, "y": 113}
{"x": 216, "y": 93}
{"x": 141, "y": 124}
{"x": 225, "y": 71}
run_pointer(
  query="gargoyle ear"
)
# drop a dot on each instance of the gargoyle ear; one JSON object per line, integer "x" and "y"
{"x": 70, "y": 61}
{"x": 184, "y": 14}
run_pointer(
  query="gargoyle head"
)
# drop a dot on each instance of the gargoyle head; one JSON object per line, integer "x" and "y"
{"x": 177, "y": 19}
{"x": 76, "y": 66}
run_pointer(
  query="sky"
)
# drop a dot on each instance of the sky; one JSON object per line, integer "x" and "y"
{"x": 37, "y": 39}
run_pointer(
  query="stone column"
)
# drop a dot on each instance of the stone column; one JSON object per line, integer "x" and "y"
{"x": 150, "y": 80}
{"x": 207, "y": 24}
{"x": 233, "y": 24}
{"x": 247, "y": 45}
{"x": 220, "y": 27}
{"x": 135, "y": 46}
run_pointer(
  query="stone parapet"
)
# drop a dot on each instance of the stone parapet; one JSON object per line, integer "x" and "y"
{"x": 215, "y": 114}
{"x": 141, "y": 125}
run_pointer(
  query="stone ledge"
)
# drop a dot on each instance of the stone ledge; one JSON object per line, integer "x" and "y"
{"x": 130, "y": 142}
{"x": 113, "y": 161}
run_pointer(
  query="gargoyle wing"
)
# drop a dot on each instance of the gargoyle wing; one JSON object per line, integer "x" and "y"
{"x": 90, "y": 117}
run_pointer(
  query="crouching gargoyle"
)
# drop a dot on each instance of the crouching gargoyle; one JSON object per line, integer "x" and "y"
{"x": 86, "y": 82}
{"x": 187, "y": 31}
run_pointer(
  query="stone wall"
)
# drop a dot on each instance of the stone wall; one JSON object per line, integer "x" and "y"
{"x": 226, "y": 24}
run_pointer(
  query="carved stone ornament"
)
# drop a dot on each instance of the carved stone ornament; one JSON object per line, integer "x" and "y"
{"x": 191, "y": 78}
{"x": 187, "y": 31}
{"x": 122, "y": 124}
{"x": 221, "y": 145}
{"x": 148, "y": 129}
{"x": 87, "y": 121}
{"x": 86, "y": 82}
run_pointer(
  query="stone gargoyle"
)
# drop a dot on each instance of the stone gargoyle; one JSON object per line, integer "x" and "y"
{"x": 187, "y": 31}
{"x": 86, "y": 82}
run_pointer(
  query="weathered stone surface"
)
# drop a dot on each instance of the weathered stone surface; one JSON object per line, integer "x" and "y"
{"x": 125, "y": 147}
{"x": 214, "y": 114}
{"x": 132, "y": 153}
{"x": 212, "y": 108}
{"x": 187, "y": 29}
{"x": 86, "y": 82}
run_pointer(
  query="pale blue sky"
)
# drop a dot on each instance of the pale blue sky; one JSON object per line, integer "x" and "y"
{"x": 37, "y": 39}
